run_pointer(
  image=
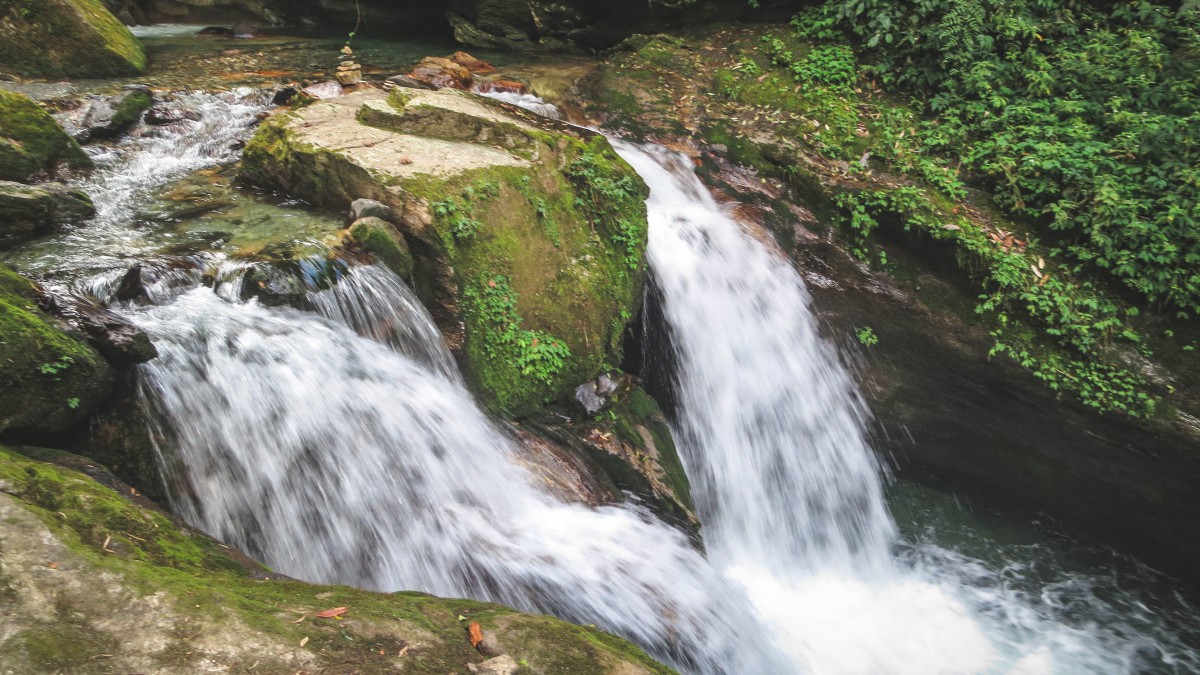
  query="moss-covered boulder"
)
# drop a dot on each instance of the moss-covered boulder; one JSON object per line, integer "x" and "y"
{"x": 91, "y": 582}
{"x": 381, "y": 239}
{"x": 31, "y": 141}
{"x": 51, "y": 379}
{"x": 66, "y": 37}
{"x": 527, "y": 234}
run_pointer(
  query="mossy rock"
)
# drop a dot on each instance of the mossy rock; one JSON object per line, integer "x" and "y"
{"x": 51, "y": 379}
{"x": 92, "y": 582}
{"x": 381, "y": 239}
{"x": 66, "y": 37}
{"x": 528, "y": 235}
{"x": 31, "y": 141}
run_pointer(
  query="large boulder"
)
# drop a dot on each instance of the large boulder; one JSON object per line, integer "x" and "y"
{"x": 98, "y": 580}
{"x": 66, "y": 37}
{"x": 528, "y": 234}
{"x": 51, "y": 379}
{"x": 31, "y": 141}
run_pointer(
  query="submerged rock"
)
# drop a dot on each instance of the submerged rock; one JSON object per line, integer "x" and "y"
{"x": 79, "y": 38}
{"x": 148, "y": 595}
{"x": 528, "y": 234}
{"x": 31, "y": 141}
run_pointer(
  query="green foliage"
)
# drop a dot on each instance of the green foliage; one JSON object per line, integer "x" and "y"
{"x": 604, "y": 190}
{"x": 1082, "y": 118}
{"x": 53, "y": 368}
{"x": 1077, "y": 323}
{"x": 866, "y": 336}
{"x": 492, "y": 303}
{"x": 459, "y": 214}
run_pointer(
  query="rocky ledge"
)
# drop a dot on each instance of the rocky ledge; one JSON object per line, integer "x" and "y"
{"x": 93, "y": 582}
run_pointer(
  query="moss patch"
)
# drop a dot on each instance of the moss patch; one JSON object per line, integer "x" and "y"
{"x": 50, "y": 379}
{"x": 30, "y": 140}
{"x": 66, "y": 37}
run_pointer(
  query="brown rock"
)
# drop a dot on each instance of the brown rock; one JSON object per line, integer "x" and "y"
{"x": 501, "y": 86}
{"x": 471, "y": 63}
{"x": 440, "y": 73}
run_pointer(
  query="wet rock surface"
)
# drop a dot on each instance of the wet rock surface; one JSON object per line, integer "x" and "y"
{"x": 28, "y": 211}
{"x": 110, "y": 117}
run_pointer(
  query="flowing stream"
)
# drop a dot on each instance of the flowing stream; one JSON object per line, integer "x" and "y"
{"x": 341, "y": 446}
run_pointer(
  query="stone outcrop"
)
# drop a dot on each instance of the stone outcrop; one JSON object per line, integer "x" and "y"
{"x": 78, "y": 38}
{"x": 95, "y": 582}
{"x": 31, "y": 142}
{"x": 527, "y": 234}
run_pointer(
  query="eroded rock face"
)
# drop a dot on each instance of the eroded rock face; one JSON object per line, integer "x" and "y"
{"x": 114, "y": 586}
{"x": 66, "y": 37}
{"x": 527, "y": 234}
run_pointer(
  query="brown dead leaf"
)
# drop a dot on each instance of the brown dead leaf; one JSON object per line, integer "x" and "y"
{"x": 52, "y": 565}
{"x": 403, "y": 651}
{"x": 331, "y": 613}
{"x": 303, "y": 640}
{"x": 476, "y": 633}
{"x": 302, "y": 617}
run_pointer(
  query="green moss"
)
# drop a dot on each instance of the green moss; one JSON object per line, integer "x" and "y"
{"x": 639, "y": 409}
{"x": 576, "y": 282}
{"x": 50, "y": 378}
{"x": 66, "y": 37}
{"x": 131, "y": 107}
{"x": 30, "y": 139}
{"x": 381, "y": 239}
{"x": 61, "y": 648}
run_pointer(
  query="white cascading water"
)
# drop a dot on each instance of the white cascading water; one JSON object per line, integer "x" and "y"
{"x": 339, "y": 459}
{"x": 341, "y": 446}
{"x": 771, "y": 432}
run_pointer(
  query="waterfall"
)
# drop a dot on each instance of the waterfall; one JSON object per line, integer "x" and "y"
{"x": 340, "y": 446}
{"x": 771, "y": 431}
{"x": 340, "y": 457}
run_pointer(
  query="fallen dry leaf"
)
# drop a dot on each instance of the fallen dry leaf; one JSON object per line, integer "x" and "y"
{"x": 402, "y": 652}
{"x": 476, "y": 633}
{"x": 302, "y": 617}
{"x": 303, "y": 641}
{"x": 331, "y": 613}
